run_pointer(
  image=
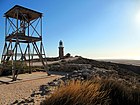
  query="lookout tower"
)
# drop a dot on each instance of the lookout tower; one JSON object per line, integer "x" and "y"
{"x": 23, "y": 39}
{"x": 61, "y": 50}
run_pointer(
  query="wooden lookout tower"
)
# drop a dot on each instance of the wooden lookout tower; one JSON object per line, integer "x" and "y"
{"x": 23, "y": 39}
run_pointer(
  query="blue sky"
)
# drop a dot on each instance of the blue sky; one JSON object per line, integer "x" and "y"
{"x": 98, "y": 29}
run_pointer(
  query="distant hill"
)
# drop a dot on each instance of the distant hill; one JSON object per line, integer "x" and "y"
{"x": 123, "y": 61}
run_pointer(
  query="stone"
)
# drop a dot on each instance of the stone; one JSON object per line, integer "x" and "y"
{"x": 16, "y": 101}
{"x": 56, "y": 83}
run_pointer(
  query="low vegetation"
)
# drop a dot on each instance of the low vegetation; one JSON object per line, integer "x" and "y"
{"x": 94, "y": 92}
{"x": 18, "y": 65}
{"x": 122, "y": 68}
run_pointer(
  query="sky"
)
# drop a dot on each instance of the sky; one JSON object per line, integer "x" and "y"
{"x": 97, "y": 29}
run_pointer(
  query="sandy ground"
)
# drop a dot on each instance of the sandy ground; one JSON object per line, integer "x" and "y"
{"x": 52, "y": 62}
{"x": 25, "y": 85}
{"x": 22, "y": 89}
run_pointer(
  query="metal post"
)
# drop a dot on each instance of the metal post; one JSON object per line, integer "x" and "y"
{"x": 30, "y": 71}
{"x": 5, "y": 26}
{"x": 15, "y": 62}
{"x": 12, "y": 59}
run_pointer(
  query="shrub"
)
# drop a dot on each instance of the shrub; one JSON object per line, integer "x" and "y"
{"x": 78, "y": 93}
{"x": 95, "y": 92}
{"x": 21, "y": 66}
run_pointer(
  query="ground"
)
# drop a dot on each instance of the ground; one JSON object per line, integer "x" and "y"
{"x": 33, "y": 87}
{"x": 23, "y": 87}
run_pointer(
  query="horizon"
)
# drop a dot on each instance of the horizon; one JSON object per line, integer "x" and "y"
{"x": 94, "y": 29}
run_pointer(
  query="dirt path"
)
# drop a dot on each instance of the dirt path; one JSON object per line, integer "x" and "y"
{"x": 52, "y": 62}
{"x": 19, "y": 90}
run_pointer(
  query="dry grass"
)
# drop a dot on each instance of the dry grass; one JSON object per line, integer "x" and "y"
{"x": 97, "y": 92}
{"x": 78, "y": 93}
{"x": 120, "y": 93}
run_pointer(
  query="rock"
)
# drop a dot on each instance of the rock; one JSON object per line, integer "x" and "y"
{"x": 29, "y": 100}
{"x": 80, "y": 74}
{"x": 67, "y": 76}
{"x": 56, "y": 83}
{"x": 22, "y": 101}
{"x": 75, "y": 71}
{"x": 33, "y": 93}
{"x": 15, "y": 102}
{"x": 85, "y": 75}
{"x": 38, "y": 92}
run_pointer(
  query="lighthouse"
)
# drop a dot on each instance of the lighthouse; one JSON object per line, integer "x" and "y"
{"x": 61, "y": 50}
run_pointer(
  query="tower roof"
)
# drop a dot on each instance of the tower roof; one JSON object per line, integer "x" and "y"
{"x": 60, "y": 43}
{"x": 30, "y": 13}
